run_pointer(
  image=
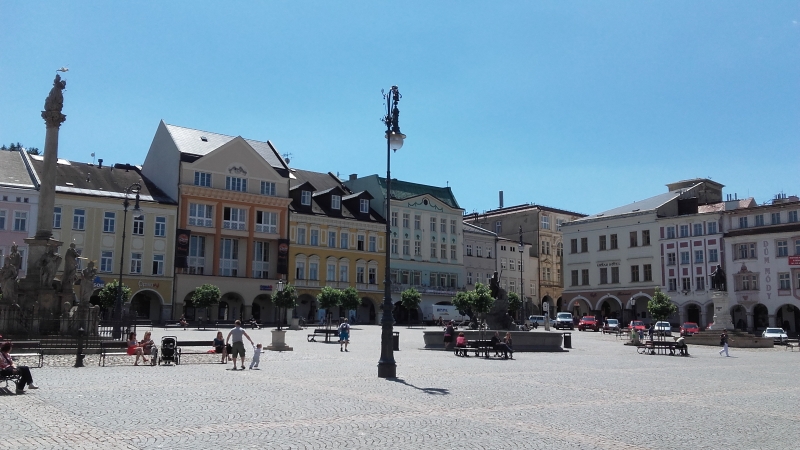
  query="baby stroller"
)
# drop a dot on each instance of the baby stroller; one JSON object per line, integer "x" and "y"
{"x": 169, "y": 351}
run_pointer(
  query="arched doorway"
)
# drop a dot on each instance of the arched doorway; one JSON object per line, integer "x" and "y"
{"x": 760, "y": 317}
{"x": 639, "y": 308}
{"x": 739, "y": 317}
{"x": 402, "y": 315}
{"x": 693, "y": 313}
{"x": 559, "y": 304}
{"x": 306, "y": 307}
{"x": 611, "y": 308}
{"x": 788, "y": 318}
{"x": 146, "y": 304}
{"x": 580, "y": 307}
{"x": 189, "y": 310}
{"x": 366, "y": 311}
{"x": 231, "y": 307}
{"x": 262, "y": 304}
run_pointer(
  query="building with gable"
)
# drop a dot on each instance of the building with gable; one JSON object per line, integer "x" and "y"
{"x": 426, "y": 242}
{"x": 337, "y": 240}
{"x": 19, "y": 200}
{"x": 233, "y": 199}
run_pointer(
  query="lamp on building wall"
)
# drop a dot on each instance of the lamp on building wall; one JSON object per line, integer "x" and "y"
{"x": 135, "y": 188}
{"x": 387, "y": 368}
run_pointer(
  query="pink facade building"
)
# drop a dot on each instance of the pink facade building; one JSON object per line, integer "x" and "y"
{"x": 19, "y": 198}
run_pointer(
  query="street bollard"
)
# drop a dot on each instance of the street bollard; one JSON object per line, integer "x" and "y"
{"x": 79, "y": 355}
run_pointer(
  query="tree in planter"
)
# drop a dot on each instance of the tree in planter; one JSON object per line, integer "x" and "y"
{"x": 410, "y": 299}
{"x": 660, "y": 306}
{"x": 108, "y": 295}
{"x": 205, "y": 296}
{"x": 328, "y": 298}
{"x": 514, "y": 304}
{"x": 287, "y": 298}
{"x": 350, "y": 299}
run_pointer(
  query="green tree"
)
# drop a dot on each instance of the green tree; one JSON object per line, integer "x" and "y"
{"x": 205, "y": 296}
{"x": 481, "y": 299}
{"x": 108, "y": 295}
{"x": 328, "y": 298}
{"x": 463, "y": 303}
{"x": 514, "y": 304}
{"x": 410, "y": 299}
{"x": 287, "y": 298}
{"x": 660, "y": 306}
{"x": 350, "y": 300}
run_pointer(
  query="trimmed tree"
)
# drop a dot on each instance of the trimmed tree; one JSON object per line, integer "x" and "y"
{"x": 287, "y": 298}
{"x": 410, "y": 299}
{"x": 350, "y": 300}
{"x": 328, "y": 298}
{"x": 463, "y": 303}
{"x": 660, "y": 306}
{"x": 514, "y": 304}
{"x": 481, "y": 300}
{"x": 204, "y": 296}
{"x": 108, "y": 294}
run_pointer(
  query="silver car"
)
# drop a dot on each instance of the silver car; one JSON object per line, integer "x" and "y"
{"x": 663, "y": 329}
{"x": 777, "y": 334}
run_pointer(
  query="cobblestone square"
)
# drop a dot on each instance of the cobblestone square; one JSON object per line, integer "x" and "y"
{"x": 598, "y": 395}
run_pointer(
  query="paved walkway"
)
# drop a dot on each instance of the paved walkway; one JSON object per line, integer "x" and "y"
{"x": 600, "y": 395}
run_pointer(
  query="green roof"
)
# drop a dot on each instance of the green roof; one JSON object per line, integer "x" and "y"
{"x": 402, "y": 190}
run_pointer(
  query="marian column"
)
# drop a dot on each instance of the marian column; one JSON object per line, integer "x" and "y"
{"x": 53, "y": 119}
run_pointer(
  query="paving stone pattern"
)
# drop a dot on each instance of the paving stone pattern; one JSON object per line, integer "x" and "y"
{"x": 599, "y": 395}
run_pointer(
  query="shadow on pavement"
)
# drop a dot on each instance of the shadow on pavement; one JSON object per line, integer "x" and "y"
{"x": 432, "y": 391}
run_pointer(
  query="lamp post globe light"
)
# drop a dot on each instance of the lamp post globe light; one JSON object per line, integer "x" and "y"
{"x": 521, "y": 248}
{"x": 387, "y": 368}
{"x": 135, "y": 188}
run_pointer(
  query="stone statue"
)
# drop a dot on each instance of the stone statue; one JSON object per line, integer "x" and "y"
{"x": 70, "y": 264}
{"x": 48, "y": 265}
{"x": 16, "y": 257}
{"x": 87, "y": 282}
{"x": 718, "y": 279}
{"x": 8, "y": 280}
{"x": 54, "y": 103}
{"x": 494, "y": 285}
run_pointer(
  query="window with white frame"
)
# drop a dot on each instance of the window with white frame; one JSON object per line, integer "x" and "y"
{"x": 406, "y": 247}
{"x": 343, "y": 272}
{"x": 745, "y": 251}
{"x": 686, "y": 284}
{"x": 56, "y": 217}
{"x": 684, "y": 257}
{"x": 336, "y": 202}
{"x": 673, "y": 284}
{"x": 373, "y": 275}
{"x": 330, "y": 272}
{"x": 453, "y": 227}
{"x": 394, "y": 218}
{"x": 479, "y": 251}
{"x": 363, "y": 206}
{"x": 433, "y": 250}
{"x": 161, "y": 226}
{"x": 453, "y": 252}
{"x": 267, "y": 222}
{"x": 268, "y": 188}
{"x": 344, "y": 239}
{"x": 373, "y": 244}
{"x": 784, "y": 284}
{"x": 234, "y": 218}
{"x": 671, "y": 260}
{"x": 314, "y": 240}
{"x": 797, "y": 247}
{"x": 700, "y": 283}
{"x": 332, "y": 239}
{"x": 361, "y": 242}
{"x": 20, "y": 220}
{"x": 394, "y": 246}
{"x": 603, "y": 275}
{"x": 301, "y": 235}
{"x": 313, "y": 271}
{"x": 443, "y": 251}
{"x": 759, "y": 220}
{"x": 647, "y": 269}
{"x": 469, "y": 251}
{"x": 443, "y": 225}
{"x": 559, "y": 222}
{"x": 197, "y": 255}
{"x": 200, "y": 215}
{"x": 158, "y": 264}
{"x": 109, "y": 221}
{"x": 3, "y": 219}
{"x": 512, "y": 286}
{"x": 417, "y": 248}
{"x": 498, "y": 226}
{"x": 684, "y": 231}
{"x": 469, "y": 278}
{"x": 305, "y": 198}
{"x": 791, "y": 216}
{"x": 138, "y": 225}
{"x": 300, "y": 270}
{"x": 712, "y": 227}
{"x": 585, "y": 277}
{"x": 615, "y": 274}
{"x": 743, "y": 222}
{"x": 236, "y": 184}
{"x": 503, "y": 264}
{"x": 202, "y": 179}
{"x": 670, "y": 232}
{"x": 433, "y": 223}
{"x": 545, "y": 222}
{"x": 747, "y": 282}
{"x": 512, "y": 264}
{"x": 417, "y": 222}
{"x": 106, "y": 261}
{"x": 776, "y": 218}
{"x": 136, "y": 263}
{"x": 406, "y": 220}
{"x": 260, "y": 259}
{"x": 713, "y": 255}
{"x": 782, "y": 247}
{"x": 360, "y": 271}
{"x": 698, "y": 256}
{"x": 698, "y": 229}
{"x": 229, "y": 258}
{"x": 635, "y": 273}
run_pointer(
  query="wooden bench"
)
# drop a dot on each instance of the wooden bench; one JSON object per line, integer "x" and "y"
{"x": 33, "y": 350}
{"x": 327, "y": 332}
{"x": 6, "y": 378}
{"x": 662, "y": 348}
{"x": 183, "y": 348}
{"x": 478, "y": 347}
{"x": 107, "y": 348}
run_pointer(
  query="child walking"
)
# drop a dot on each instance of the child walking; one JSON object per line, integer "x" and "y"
{"x": 256, "y": 357}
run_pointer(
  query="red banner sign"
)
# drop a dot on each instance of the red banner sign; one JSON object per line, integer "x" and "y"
{"x": 794, "y": 260}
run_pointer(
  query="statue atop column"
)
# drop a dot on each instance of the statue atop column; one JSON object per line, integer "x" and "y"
{"x": 48, "y": 265}
{"x": 718, "y": 279}
{"x": 54, "y": 103}
{"x": 87, "y": 282}
{"x": 70, "y": 265}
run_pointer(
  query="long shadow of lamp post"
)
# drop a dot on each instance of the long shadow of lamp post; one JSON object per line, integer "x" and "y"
{"x": 135, "y": 188}
{"x": 387, "y": 368}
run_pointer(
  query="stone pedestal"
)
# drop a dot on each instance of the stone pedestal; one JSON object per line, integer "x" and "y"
{"x": 279, "y": 342}
{"x": 294, "y": 324}
{"x": 30, "y": 288}
{"x": 722, "y": 312}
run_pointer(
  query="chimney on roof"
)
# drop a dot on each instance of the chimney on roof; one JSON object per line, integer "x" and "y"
{"x": 501, "y": 199}
{"x": 353, "y": 176}
{"x": 100, "y": 163}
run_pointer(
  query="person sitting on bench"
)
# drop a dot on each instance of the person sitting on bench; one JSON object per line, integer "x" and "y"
{"x": 500, "y": 346}
{"x": 461, "y": 344}
{"x": 8, "y": 368}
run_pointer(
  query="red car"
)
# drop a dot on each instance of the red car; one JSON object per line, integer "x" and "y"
{"x": 637, "y": 325}
{"x": 689, "y": 328}
{"x": 588, "y": 323}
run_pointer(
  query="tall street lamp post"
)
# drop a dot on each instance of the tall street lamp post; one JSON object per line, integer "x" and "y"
{"x": 116, "y": 332}
{"x": 387, "y": 368}
{"x": 521, "y": 248}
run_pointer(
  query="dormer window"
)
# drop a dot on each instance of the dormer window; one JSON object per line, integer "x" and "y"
{"x": 268, "y": 188}
{"x": 305, "y": 198}
{"x": 336, "y": 201}
{"x": 236, "y": 184}
{"x": 364, "y": 206}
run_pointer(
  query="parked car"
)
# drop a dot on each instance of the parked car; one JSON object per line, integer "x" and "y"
{"x": 663, "y": 328}
{"x": 637, "y": 325}
{"x": 588, "y": 323}
{"x": 539, "y": 321}
{"x": 689, "y": 328}
{"x": 564, "y": 320}
{"x": 777, "y": 334}
{"x": 611, "y": 326}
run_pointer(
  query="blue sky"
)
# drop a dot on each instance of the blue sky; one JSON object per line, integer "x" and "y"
{"x": 582, "y": 106}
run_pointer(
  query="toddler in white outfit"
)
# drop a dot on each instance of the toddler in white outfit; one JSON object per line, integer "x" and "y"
{"x": 256, "y": 357}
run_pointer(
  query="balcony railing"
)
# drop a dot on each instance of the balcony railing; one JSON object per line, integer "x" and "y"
{"x": 262, "y": 228}
{"x": 201, "y": 222}
{"x": 231, "y": 225}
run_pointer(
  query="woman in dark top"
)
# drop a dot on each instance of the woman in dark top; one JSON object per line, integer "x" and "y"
{"x": 220, "y": 347}
{"x": 449, "y": 331}
{"x": 7, "y": 367}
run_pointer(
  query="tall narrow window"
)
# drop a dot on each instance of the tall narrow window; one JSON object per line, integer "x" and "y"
{"x": 234, "y": 218}
{"x": 433, "y": 223}
{"x": 634, "y": 273}
{"x": 314, "y": 240}
{"x": 197, "y": 255}
{"x": 613, "y": 242}
{"x": 106, "y": 261}
{"x": 301, "y": 236}
{"x": 200, "y": 215}
{"x": 305, "y": 198}
{"x": 136, "y": 263}
{"x": 417, "y": 222}
{"x": 109, "y": 221}
{"x": 161, "y": 226}
{"x": 229, "y": 258}
{"x": 360, "y": 239}
{"x": 405, "y": 220}
{"x": 602, "y": 243}
{"x": 336, "y": 202}
{"x": 2, "y": 220}
{"x": 645, "y": 237}
{"x": 373, "y": 244}
{"x": 545, "y": 222}
{"x": 56, "y": 217}
{"x": 260, "y": 259}
{"x": 158, "y": 264}
{"x": 138, "y": 225}
{"x": 648, "y": 272}
{"x": 634, "y": 239}
{"x": 343, "y": 275}
{"x": 344, "y": 239}
{"x": 236, "y": 184}
{"x": 267, "y": 222}
{"x": 332, "y": 239}
{"x": 21, "y": 221}
{"x": 615, "y": 274}
{"x": 363, "y": 206}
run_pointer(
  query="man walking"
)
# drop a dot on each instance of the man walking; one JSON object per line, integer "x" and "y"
{"x": 237, "y": 347}
{"x": 344, "y": 334}
{"x": 723, "y": 339}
